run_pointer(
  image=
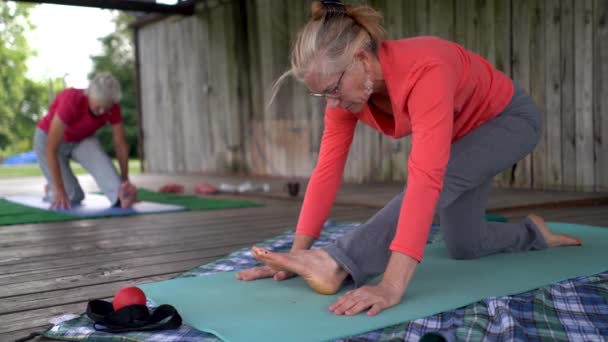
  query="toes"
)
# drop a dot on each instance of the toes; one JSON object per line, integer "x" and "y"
{"x": 259, "y": 253}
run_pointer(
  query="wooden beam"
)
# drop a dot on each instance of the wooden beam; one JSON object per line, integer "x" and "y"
{"x": 184, "y": 7}
{"x": 140, "y": 125}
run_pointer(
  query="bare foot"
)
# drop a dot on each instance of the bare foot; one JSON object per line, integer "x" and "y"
{"x": 127, "y": 194}
{"x": 316, "y": 266}
{"x": 553, "y": 239}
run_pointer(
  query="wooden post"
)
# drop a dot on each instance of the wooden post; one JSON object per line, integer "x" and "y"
{"x": 583, "y": 99}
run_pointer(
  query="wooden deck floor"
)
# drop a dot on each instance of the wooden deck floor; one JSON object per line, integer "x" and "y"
{"x": 55, "y": 268}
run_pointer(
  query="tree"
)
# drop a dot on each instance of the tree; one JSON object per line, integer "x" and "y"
{"x": 22, "y": 101}
{"x": 117, "y": 57}
{"x": 13, "y": 55}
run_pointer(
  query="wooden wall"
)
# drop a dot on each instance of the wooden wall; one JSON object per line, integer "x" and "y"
{"x": 194, "y": 112}
{"x": 206, "y": 81}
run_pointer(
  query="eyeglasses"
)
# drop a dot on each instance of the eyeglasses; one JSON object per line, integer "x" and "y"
{"x": 333, "y": 93}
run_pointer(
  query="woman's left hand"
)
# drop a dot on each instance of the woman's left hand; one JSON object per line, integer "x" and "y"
{"x": 372, "y": 297}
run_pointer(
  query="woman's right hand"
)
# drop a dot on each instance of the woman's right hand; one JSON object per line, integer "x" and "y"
{"x": 61, "y": 201}
{"x": 261, "y": 272}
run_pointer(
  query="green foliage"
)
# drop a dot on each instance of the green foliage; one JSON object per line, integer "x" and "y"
{"x": 22, "y": 101}
{"x": 117, "y": 57}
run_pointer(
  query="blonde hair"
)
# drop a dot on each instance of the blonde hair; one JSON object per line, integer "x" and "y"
{"x": 333, "y": 37}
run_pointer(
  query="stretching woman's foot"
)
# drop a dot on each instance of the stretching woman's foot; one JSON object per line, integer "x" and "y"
{"x": 316, "y": 266}
{"x": 553, "y": 239}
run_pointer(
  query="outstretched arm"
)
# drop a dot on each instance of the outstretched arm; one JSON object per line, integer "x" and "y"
{"x": 54, "y": 138}
{"x": 431, "y": 106}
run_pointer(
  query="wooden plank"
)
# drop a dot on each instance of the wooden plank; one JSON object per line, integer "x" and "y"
{"x": 441, "y": 18}
{"x": 414, "y": 19}
{"x": 263, "y": 12}
{"x": 472, "y": 28}
{"x": 538, "y": 89}
{"x": 35, "y": 268}
{"x": 393, "y": 23}
{"x": 84, "y": 247}
{"x": 553, "y": 91}
{"x": 43, "y": 294}
{"x": 461, "y": 18}
{"x": 145, "y": 93}
{"x": 421, "y": 9}
{"x": 176, "y": 91}
{"x": 133, "y": 241}
{"x": 281, "y": 36}
{"x": 218, "y": 74}
{"x": 233, "y": 121}
{"x": 204, "y": 88}
{"x": 601, "y": 94}
{"x": 255, "y": 85}
{"x": 189, "y": 135}
{"x": 502, "y": 34}
{"x": 569, "y": 158}
{"x": 485, "y": 33}
{"x": 583, "y": 99}
{"x": 521, "y": 73}
{"x": 298, "y": 151}
{"x": 32, "y": 318}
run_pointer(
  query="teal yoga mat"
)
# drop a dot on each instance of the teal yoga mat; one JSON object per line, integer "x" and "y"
{"x": 267, "y": 310}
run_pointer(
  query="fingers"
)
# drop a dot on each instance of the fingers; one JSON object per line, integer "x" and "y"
{"x": 346, "y": 302}
{"x": 60, "y": 203}
{"x": 255, "y": 273}
{"x": 376, "y": 308}
{"x": 360, "y": 305}
{"x": 356, "y": 301}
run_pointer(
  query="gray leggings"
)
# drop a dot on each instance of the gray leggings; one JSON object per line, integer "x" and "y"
{"x": 474, "y": 161}
{"x": 90, "y": 155}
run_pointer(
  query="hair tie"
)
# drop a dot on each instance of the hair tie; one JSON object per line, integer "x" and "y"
{"x": 334, "y": 8}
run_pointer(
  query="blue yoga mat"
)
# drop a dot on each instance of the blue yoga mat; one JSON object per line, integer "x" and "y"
{"x": 266, "y": 310}
{"x": 95, "y": 205}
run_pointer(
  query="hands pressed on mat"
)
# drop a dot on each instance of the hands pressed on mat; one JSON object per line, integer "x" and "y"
{"x": 385, "y": 294}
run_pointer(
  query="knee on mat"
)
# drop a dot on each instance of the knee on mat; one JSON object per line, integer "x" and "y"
{"x": 78, "y": 197}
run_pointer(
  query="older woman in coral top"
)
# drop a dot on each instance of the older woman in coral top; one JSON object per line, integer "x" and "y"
{"x": 468, "y": 122}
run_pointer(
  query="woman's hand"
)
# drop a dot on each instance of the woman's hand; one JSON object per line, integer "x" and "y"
{"x": 387, "y": 293}
{"x": 261, "y": 272}
{"x": 373, "y": 297}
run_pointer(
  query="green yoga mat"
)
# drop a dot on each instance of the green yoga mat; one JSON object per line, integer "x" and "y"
{"x": 13, "y": 213}
{"x": 266, "y": 310}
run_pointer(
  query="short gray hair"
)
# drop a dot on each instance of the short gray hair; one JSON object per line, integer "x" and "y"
{"x": 105, "y": 87}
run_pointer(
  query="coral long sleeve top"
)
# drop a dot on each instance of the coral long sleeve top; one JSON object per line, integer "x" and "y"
{"x": 439, "y": 92}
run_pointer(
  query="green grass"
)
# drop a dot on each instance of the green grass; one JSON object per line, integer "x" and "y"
{"x": 28, "y": 170}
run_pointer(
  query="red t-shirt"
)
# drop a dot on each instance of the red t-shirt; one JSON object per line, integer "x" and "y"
{"x": 439, "y": 92}
{"x": 72, "y": 106}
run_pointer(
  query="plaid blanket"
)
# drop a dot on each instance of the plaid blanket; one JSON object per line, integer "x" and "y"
{"x": 575, "y": 309}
